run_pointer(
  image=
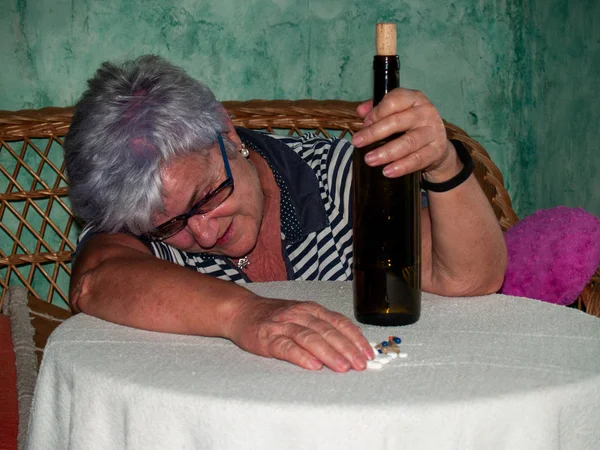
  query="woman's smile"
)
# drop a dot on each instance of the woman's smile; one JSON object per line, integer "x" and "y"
{"x": 226, "y": 236}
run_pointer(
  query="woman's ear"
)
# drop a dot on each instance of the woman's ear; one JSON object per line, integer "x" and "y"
{"x": 230, "y": 132}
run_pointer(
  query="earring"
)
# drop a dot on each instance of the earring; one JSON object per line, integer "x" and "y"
{"x": 244, "y": 151}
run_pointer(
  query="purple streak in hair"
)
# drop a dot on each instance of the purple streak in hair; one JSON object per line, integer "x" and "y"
{"x": 142, "y": 148}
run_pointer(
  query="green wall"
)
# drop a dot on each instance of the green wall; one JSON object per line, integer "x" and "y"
{"x": 562, "y": 156}
{"x": 521, "y": 76}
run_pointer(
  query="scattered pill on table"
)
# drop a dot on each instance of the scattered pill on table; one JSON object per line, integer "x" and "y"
{"x": 374, "y": 365}
{"x": 383, "y": 360}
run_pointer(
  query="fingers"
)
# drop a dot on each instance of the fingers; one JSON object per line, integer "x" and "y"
{"x": 295, "y": 340}
{"x": 351, "y": 333}
{"x": 423, "y": 141}
{"x": 396, "y": 101}
{"x": 399, "y": 122}
{"x": 419, "y": 160}
{"x": 415, "y": 150}
{"x": 334, "y": 349}
{"x": 364, "y": 108}
{"x": 285, "y": 348}
{"x": 303, "y": 333}
{"x": 329, "y": 336}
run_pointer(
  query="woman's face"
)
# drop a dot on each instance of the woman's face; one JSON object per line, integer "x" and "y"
{"x": 232, "y": 228}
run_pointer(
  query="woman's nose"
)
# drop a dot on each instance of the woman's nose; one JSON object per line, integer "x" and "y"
{"x": 205, "y": 229}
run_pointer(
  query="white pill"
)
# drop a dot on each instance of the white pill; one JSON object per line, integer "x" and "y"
{"x": 374, "y": 365}
{"x": 403, "y": 355}
{"x": 393, "y": 355}
{"x": 383, "y": 360}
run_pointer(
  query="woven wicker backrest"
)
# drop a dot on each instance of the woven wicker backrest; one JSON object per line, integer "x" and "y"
{"x": 37, "y": 232}
{"x": 339, "y": 117}
{"x": 37, "y": 228}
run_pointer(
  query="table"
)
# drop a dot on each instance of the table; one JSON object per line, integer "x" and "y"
{"x": 492, "y": 372}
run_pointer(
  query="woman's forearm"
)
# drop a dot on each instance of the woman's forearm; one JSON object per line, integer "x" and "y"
{"x": 138, "y": 290}
{"x": 130, "y": 287}
{"x": 466, "y": 253}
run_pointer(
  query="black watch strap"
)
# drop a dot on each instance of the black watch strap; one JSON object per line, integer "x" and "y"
{"x": 459, "y": 178}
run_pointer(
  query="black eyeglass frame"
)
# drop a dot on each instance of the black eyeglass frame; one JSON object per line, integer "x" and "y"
{"x": 181, "y": 220}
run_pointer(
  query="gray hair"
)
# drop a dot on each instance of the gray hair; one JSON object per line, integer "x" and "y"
{"x": 132, "y": 119}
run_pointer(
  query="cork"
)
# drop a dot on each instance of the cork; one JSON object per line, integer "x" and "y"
{"x": 386, "y": 39}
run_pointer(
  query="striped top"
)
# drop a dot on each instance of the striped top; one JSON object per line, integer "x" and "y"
{"x": 314, "y": 175}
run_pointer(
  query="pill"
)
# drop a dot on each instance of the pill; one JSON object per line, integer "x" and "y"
{"x": 403, "y": 355}
{"x": 374, "y": 365}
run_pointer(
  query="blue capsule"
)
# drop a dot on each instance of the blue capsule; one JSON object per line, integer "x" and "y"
{"x": 385, "y": 344}
{"x": 397, "y": 340}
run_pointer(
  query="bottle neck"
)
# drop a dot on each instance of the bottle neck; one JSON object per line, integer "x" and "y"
{"x": 386, "y": 76}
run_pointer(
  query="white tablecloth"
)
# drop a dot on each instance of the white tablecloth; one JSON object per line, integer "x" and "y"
{"x": 493, "y": 372}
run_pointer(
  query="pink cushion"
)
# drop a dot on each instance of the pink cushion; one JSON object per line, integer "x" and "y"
{"x": 552, "y": 254}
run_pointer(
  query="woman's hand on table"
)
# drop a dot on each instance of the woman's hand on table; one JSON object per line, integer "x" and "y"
{"x": 424, "y": 145}
{"x": 303, "y": 333}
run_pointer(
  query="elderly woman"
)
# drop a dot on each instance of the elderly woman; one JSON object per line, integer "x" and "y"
{"x": 167, "y": 184}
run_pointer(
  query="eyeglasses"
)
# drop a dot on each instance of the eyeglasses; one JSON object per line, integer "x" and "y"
{"x": 206, "y": 204}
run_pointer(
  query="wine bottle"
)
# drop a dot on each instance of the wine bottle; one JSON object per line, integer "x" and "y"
{"x": 386, "y": 219}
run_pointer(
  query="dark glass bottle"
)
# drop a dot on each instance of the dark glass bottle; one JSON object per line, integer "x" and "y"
{"x": 386, "y": 229}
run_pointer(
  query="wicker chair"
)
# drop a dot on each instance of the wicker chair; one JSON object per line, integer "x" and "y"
{"x": 37, "y": 243}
